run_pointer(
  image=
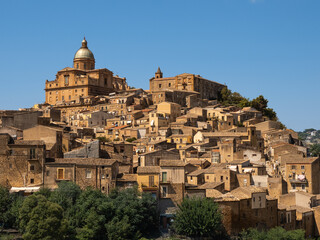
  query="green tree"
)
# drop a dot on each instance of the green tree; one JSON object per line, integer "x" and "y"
{"x": 66, "y": 194}
{"x": 259, "y": 103}
{"x": 103, "y": 139}
{"x": 45, "y": 192}
{"x": 131, "y": 139}
{"x": 272, "y": 234}
{"x": 92, "y": 211}
{"x": 244, "y": 103}
{"x": 225, "y": 94}
{"x": 270, "y": 113}
{"x": 198, "y": 217}
{"x": 140, "y": 209}
{"x": 42, "y": 219}
{"x": 120, "y": 229}
{"x": 315, "y": 150}
{"x": 13, "y": 212}
{"x": 5, "y": 204}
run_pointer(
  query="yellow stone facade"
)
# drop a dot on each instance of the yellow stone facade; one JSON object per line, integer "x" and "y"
{"x": 83, "y": 80}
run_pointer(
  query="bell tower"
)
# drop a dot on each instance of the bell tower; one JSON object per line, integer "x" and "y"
{"x": 158, "y": 74}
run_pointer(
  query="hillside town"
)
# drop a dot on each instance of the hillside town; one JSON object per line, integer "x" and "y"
{"x": 176, "y": 140}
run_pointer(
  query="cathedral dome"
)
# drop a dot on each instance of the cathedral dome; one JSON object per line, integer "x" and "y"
{"x": 84, "y": 51}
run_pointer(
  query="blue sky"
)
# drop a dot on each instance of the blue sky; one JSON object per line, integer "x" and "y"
{"x": 268, "y": 47}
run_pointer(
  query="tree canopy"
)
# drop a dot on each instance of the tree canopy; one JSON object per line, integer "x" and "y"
{"x": 227, "y": 97}
{"x": 198, "y": 217}
{"x": 272, "y": 234}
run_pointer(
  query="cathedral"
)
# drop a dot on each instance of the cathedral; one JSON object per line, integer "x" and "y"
{"x": 82, "y": 80}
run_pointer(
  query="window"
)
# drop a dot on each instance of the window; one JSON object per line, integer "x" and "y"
{"x": 62, "y": 98}
{"x": 66, "y": 79}
{"x": 164, "y": 191}
{"x": 32, "y": 153}
{"x": 288, "y": 217}
{"x": 121, "y": 149}
{"x": 282, "y": 219}
{"x": 31, "y": 167}
{"x": 85, "y": 66}
{"x": 88, "y": 173}
{"x": 191, "y": 178}
{"x": 293, "y": 167}
{"x": 207, "y": 177}
{"x": 32, "y": 180}
{"x": 159, "y": 85}
{"x": 293, "y": 186}
{"x": 302, "y": 166}
{"x": 10, "y": 165}
{"x": 221, "y": 178}
{"x": 77, "y": 65}
{"x": 303, "y": 186}
{"x": 169, "y": 84}
{"x": 60, "y": 173}
{"x": 151, "y": 181}
{"x": 48, "y": 173}
{"x": 164, "y": 177}
{"x": 69, "y": 97}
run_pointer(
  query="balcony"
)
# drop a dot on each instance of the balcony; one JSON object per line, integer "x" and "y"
{"x": 300, "y": 178}
{"x": 148, "y": 186}
{"x": 164, "y": 182}
{"x": 297, "y": 181}
{"x": 62, "y": 179}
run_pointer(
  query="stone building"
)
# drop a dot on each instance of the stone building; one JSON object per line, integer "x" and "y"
{"x": 97, "y": 173}
{"x": 21, "y": 162}
{"x": 186, "y": 82}
{"x": 302, "y": 174}
{"x": 82, "y": 80}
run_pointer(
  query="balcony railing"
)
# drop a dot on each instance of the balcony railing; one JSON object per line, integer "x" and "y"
{"x": 298, "y": 180}
{"x": 149, "y": 185}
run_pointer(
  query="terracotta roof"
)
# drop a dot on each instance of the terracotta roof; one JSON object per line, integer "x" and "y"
{"x": 124, "y": 169}
{"x": 302, "y": 160}
{"x": 228, "y": 197}
{"x": 213, "y": 193}
{"x": 128, "y": 178}
{"x": 196, "y": 172}
{"x": 148, "y": 169}
{"x": 246, "y": 192}
{"x": 120, "y": 127}
{"x": 147, "y": 110}
{"x": 172, "y": 163}
{"x": 197, "y": 162}
{"x": 29, "y": 142}
{"x": 84, "y": 161}
{"x": 211, "y": 185}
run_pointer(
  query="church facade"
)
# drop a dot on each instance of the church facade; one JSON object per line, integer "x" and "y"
{"x": 83, "y": 80}
{"x": 186, "y": 82}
